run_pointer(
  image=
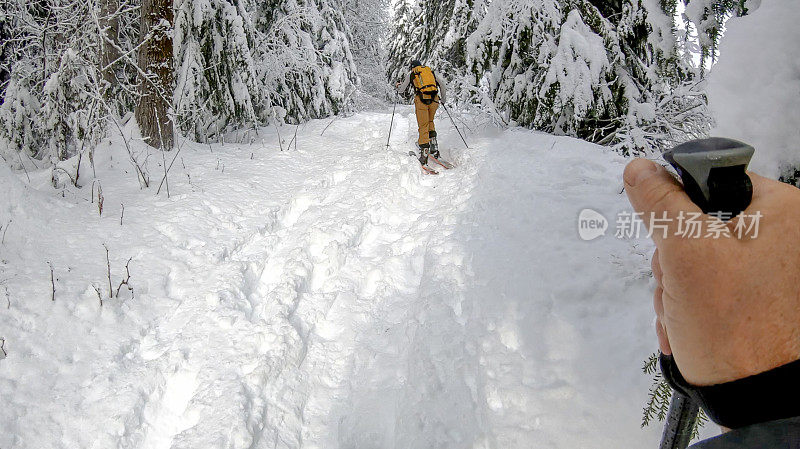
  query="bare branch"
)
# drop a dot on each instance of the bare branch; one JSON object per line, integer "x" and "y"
{"x": 52, "y": 283}
{"x": 108, "y": 266}
{"x": 99, "y": 296}
{"x": 126, "y": 281}
{"x": 10, "y": 220}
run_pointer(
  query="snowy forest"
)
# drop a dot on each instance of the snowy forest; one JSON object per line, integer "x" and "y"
{"x": 212, "y": 234}
{"x": 624, "y": 73}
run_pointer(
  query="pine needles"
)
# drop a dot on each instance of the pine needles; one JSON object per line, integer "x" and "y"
{"x": 658, "y": 400}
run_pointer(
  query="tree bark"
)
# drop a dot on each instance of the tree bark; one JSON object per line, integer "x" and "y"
{"x": 109, "y": 24}
{"x": 155, "y": 59}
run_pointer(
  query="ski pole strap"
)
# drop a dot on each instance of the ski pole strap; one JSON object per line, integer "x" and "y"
{"x": 767, "y": 396}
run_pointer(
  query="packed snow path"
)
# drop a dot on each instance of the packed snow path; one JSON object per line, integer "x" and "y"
{"x": 331, "y": 296}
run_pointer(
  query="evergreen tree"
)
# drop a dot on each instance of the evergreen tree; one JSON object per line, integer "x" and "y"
{"x": 607, "y": 72}
{"x": 216, "y": 81}
{"x": 368, "y": 24}
{"x": 5, "y": 36}
{"x": 434, "y": 32}
{"x": 708, "y": 17}
{"x": 563, "y": 67}
{"x": 68, "y": 65}
{"x": 303, "y": 58}
{"x": 51, "y": 108}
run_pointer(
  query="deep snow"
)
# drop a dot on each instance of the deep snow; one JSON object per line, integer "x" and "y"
{"x": 754, "y": 89}
{"x": 328, "y": 297}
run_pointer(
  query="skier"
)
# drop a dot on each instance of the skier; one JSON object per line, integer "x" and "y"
{"x": 429, "y": 92}
{"x": 728, "y": 309}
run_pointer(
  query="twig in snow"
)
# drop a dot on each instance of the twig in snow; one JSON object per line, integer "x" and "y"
{"x": 294, "y": 139}
{"x": 71, "y": 179}
{"x": 122, "y": 214}
{"x": 108, "y": 266}
{"x": 141, "y": 176}
{"x": 23, "y": 167}
{"x": 126, "y": 281}
{"x": 2, "y": 347}
{"x": 166, "y": 170}
{"x": 280, "y": 141}
{"x": 52, "y": 283}
{"x": 170, "y": 166}
{"x": 100, "y": 199}
{"x": 3, "y": 242}
{"x": 99, "y": 296}
{"x": 329, "y": 124}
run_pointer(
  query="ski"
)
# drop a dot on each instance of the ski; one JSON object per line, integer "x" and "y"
{"x": 442, "y": 162}
{"x": 425, "y": 168}
{"x": 429, "y": 170}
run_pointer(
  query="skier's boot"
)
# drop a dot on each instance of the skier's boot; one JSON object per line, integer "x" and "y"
{"x": 434, "y": 144}
{"x": 424, "y": 149}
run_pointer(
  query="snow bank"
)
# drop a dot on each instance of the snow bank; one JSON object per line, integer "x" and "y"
{"x": 754, "y": 89}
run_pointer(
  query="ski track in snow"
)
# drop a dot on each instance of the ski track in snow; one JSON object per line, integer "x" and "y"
{"x": 336, "y": 297}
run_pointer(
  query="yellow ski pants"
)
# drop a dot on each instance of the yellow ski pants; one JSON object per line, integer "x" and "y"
{"x": 425, "y": 113}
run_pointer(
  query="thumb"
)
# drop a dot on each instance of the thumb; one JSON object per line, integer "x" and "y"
{"x": 657, "y": 196}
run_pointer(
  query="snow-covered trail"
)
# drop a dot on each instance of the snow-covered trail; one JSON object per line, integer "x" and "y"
{"x": 333, "y": 297}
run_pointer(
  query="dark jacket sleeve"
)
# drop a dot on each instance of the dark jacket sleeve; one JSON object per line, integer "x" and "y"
{"x": 781, "y": 434}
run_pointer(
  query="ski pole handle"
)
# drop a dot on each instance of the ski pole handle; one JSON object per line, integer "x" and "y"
{"x": 714, "y": 175}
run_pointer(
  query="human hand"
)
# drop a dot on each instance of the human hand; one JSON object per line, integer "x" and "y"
{"x": 726, "y": 308}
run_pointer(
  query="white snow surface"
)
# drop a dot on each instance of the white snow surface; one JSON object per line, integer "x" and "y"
{"x": 331, "y": 296}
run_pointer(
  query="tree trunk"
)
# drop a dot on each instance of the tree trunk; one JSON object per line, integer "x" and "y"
{"x": 155, "y": 59}
{"x": 109, "y": 24}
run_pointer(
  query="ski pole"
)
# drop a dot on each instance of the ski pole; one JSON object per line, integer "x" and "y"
{"x": 454, "y": 125}
{"x": 714, "y": 176}
{"x": 681, "y": 420}
{"x": 391, "y": 124}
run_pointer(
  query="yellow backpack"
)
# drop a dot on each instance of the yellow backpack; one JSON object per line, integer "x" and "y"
{"x": 424, "y": 81}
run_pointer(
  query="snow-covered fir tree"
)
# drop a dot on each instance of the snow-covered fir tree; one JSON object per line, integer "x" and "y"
{"x": 237, "y": 64}
{"x": 216, "y": 87}
{"x": 569, "y": 67}
{"x": 369, "y": 25}
{"x": 606, "y": 72}
{"x": 303, "y": 60}
{"x": 434, "y": 32}
{"x": 5, "y": 36}
{"x": 708, "y": 18}
{"x": 51, "y": 107}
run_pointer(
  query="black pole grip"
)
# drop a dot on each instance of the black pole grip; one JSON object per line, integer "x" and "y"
{"x": 714, "y": 174}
